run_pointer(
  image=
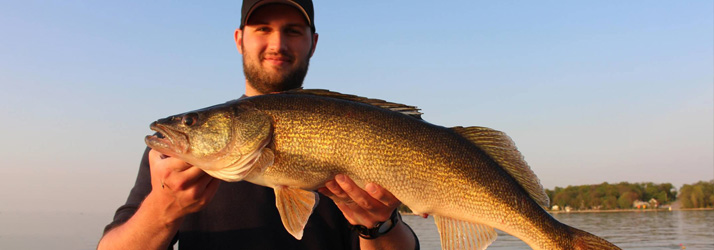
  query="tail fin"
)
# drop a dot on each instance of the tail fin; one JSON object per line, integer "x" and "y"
{"x": 586, "y": 241}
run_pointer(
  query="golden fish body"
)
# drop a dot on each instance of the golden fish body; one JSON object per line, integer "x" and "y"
{"x": 471, "y": 180}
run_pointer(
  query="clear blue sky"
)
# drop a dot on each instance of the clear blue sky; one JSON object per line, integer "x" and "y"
{"x": 590, "y": 91}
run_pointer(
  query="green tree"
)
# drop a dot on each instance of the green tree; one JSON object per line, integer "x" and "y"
{"x": 610, "y": 202}
{"x": 685, "y": 196}
{"x": 626, "y": 199}
{"x": 698, "y": 195}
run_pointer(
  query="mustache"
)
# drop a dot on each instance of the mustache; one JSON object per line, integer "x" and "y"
{"x": 277, "y": 55}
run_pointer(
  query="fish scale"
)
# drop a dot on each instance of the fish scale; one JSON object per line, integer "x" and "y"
{"x": 472, "y": 179}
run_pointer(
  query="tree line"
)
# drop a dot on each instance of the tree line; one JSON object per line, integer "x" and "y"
{"x": 611, "y": 196}
{"x": 623, "y": 195}
{"x": 698, "y": 195}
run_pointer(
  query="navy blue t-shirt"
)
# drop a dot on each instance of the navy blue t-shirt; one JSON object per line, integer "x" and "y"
{"x": 243, "y": 215}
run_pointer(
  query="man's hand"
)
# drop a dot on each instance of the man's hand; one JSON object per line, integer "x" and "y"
{"x": 177, "y": 189}
{"x": 367, "y": 207}
{"x": 184, "y": 188}
{"x": 364, "y": 207}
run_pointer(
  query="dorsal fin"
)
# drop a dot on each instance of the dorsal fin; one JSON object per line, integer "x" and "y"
{"x": 502, "y": 149}
{"x": 401, "y": 108}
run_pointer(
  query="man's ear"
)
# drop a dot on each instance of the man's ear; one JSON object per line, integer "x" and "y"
{"x": 238, "y": 37}
{"x": 314, "y": 44}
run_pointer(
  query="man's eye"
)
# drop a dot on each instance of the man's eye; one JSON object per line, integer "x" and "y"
{"x": 294, "y": 32}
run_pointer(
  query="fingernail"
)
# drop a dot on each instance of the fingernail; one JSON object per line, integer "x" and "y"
{"x": 330, "y": 184}
{"x": 340, "y": 178}
{"x": 370, "y": 188}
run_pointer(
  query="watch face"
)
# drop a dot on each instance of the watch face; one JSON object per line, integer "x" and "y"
{"x": 385, "y": 227}
{"x": 379, "y": 229}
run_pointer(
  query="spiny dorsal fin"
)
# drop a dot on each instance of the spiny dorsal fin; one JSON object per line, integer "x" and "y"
{"x": 401, "y": 108}
{"x": 503, "y": 150}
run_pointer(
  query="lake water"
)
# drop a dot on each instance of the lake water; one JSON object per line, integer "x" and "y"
{"x": 629, "y": 230}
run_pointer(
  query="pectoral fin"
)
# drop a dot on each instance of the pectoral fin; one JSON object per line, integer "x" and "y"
{"x": 238, "y": 170}
{"x": 458, "y": 234}
{"x": 295, "y": 207}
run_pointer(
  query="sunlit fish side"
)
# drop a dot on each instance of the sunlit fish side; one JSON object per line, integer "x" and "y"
{"x": 471, "y": 179}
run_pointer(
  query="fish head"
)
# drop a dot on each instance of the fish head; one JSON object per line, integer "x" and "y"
{"x": 216, "y": 139}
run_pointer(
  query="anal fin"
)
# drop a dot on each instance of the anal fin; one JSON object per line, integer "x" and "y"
{"x": 458, "y": 234}
{"x": 295, "y": 207}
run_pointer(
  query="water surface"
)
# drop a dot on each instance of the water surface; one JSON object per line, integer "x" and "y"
{"x": 628, "y": 230}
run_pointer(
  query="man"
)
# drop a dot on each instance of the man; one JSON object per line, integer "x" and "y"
{"x": 173, "y": 200}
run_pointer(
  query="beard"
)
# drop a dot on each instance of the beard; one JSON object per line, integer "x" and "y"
{"x": 267, "y": 82}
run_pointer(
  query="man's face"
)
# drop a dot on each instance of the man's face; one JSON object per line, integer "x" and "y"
{"x": 276, "y": 44}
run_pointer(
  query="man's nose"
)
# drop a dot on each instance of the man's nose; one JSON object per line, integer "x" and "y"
{"x": 277, "y": 42}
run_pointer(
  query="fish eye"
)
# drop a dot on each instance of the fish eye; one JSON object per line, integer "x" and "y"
{"x": 189, "y": 119}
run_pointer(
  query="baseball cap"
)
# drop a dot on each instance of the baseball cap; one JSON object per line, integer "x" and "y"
{"x": 305, "y": 6}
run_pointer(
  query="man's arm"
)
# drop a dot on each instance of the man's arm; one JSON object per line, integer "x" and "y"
{"x": 177, "y": 189}
{"x": 367, "y": 207}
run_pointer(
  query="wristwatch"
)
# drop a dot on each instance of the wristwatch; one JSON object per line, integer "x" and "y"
{"x": 381, "y": 228}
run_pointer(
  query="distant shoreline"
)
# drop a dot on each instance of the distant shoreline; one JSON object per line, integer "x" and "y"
{"x": 629, "y": 210}
{"x": 607, "y": 211}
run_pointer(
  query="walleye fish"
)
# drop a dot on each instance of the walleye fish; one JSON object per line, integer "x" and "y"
{"x": 472, "y": 180}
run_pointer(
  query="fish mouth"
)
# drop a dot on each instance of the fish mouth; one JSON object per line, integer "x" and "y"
{"x": 172, "y": 143}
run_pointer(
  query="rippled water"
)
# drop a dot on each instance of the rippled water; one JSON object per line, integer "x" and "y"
{"x": 628, "y": 230}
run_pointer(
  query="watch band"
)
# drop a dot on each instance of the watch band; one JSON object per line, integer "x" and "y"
{"x": 381, "y": 228}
